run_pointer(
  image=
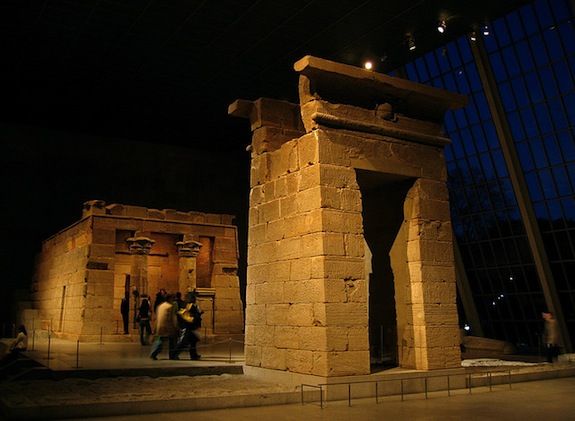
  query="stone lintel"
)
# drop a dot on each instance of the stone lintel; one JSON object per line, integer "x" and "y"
{"x": 268, "y": 112}
{"x": 353, "y": 85}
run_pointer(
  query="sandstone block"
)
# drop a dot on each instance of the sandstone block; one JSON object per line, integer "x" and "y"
{"x": 333, "y": 267}
{"x": 286, "y": 337}
{"x": 334, "y": 153}
{"x": 309, "y": 177}
{"x": 288, "y": 248}
{"x": 299, "y": 314}
{"x": 299, "y": 361}
{"x": 358, "y": 338}
{"x": 103, "y": 236}
{"x": 308, "y": 149}
{"x": 264, "y": 335}
{"x": 257, "y": 196}
{"x": 276, "y": 315}
{"x": 433, "y": 292}
{"x": 354, "y": 245}
{"x": 285, "y": 160}
{"x": 339, "y": 221}
{"x": 346, "y": 314}
{"x": 270, "y": 211}
{"x": 257, "y": 234}
{"x": 288, "y": 206}
{"x": 273, "y": 358}
{"x": 300, "y": 269}
{"x": 275, "y": 230}
{"x": 293, "y": 181}
{"x": 253, "y": 355}
{"x": 256, "y": 314}
{"x": 269, "y": 293}
{"x": 312, "y": 338}
{"x": 280, "y": 188}
{"x": 348, "y": 363}
{"x": 308, "y": 291}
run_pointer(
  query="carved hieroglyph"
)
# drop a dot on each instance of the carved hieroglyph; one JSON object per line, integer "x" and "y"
{"x": 307, "y": 292}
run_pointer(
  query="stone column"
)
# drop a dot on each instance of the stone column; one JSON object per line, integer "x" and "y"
{"x": 140, "y": 248}
{"x": 187, "y": 251}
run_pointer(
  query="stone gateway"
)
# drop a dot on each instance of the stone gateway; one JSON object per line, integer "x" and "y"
{"x": 350, "y": 255}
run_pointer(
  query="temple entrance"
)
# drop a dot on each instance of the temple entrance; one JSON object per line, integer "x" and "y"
{"x": 383, "y": 197}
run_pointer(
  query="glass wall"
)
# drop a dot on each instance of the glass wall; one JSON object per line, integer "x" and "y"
{"x": 531, "y": 52}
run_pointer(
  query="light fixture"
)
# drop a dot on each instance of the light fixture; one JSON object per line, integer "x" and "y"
{"x": 485, "y": 30}
{"x": 411, "y": 43}
{"x": 473, "y": 36}
{"x": 368, "y": 65}
{"x": 442, "y": 26}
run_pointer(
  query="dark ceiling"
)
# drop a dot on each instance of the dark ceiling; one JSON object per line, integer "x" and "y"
{"x": 165, "y": 70}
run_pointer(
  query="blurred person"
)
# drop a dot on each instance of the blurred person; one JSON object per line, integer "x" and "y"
{"x": 550, "y": 336}
{"x": 166, "y": 328}
{"x": 191, "y": 320}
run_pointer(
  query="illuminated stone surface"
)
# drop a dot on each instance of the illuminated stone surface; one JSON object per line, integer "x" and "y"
{"x": 85, "y": 270}
{"x": 307, "y": 287}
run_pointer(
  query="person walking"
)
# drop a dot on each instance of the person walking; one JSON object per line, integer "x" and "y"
{"x": 144, "y": 314}
{"x": 166, "y": 328}
{"x": 550, "y": 336}
{"x": 190, "y": 321}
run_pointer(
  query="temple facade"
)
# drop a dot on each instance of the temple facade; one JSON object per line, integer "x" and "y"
{"x": 117, "y": 252}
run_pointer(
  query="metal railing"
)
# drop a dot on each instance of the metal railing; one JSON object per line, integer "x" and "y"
{"x": 469, "y": 376}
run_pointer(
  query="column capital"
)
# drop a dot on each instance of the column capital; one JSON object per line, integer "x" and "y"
{"x": 140, "y": 245}
{"x": 188, "y": 248}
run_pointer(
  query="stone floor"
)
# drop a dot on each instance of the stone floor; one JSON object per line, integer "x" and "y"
{"x": 146, "y": 386}
{"x": 550, "y": 400}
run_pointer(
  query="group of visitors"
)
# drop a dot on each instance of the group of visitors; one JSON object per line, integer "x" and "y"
{"x": 177, "y": 323}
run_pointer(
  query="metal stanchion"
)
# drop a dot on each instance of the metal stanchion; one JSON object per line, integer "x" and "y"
{"x": 509, "y": 379}
{"x": 425, "y": 381}
{"x": 448, "y": 388}
{"x": 101, "y": 341}
{"x": 77, "y": 353}
{"x": 349, "y": 394}
{"x": 401, "y": 389}
{"x": 33, "y": 339}
{"x": 230, "y": 349}
{"x": 376, "y": 393}
{"x": 469, "y": 378}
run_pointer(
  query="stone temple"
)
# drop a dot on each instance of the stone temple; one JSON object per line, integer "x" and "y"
{"x": 350, "y": 254}
{"x": 116, "y": 251}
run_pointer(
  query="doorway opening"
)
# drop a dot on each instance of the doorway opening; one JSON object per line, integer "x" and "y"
{"x": 383, "y": 198}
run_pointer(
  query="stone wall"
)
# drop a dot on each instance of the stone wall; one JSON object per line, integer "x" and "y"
{"x": 62, "y": 263}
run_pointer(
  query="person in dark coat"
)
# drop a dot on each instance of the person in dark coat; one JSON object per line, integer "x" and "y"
{"x": 125, "y": 310}
{"x": 190, "y": 318}
{"x": 144, "y": 314}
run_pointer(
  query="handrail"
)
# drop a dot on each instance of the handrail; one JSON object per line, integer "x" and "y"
{"x": 468, "y": 377}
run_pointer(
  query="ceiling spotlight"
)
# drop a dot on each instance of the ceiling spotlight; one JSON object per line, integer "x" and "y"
{"x": 441, "y": 26}
{"x": 473, "y": 36}
{"x": 486, "y": 30}
{"x": 368, "y": 65}
{"x": 411, "y": 43}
